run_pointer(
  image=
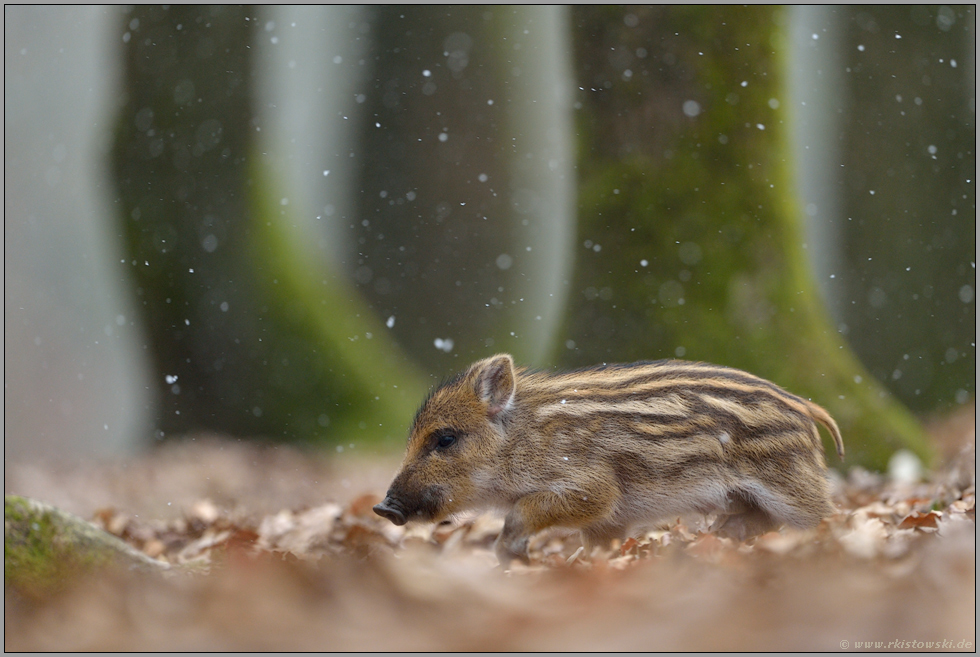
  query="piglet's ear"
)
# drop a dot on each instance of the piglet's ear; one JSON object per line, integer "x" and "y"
{"x": 495, "y": 383}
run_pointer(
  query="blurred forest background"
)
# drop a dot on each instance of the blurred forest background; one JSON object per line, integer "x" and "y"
{"x": 288, "y": 223}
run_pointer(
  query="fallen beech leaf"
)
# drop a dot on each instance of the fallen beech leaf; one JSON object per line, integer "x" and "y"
{"x": 555, "y": 561}
{"x": 710, "y": 546}
{"x": 631, "y": 544}
{"x": 965, "y": 505}
{"x": 418, "y": 532}
{"x": 242, "y": 539}
{"x": 273, "y": 528}
{"x": 198, "y": 548}
{"x": 681, "y": 532}
{"x": 112, "y": 521}
{"x": 866, "y": 537}
{"x": 777, "y": 543}
{"x": 623, "y": 562}
{"x": 204, "y": 511}
{"x": 921, "y": 520}
{"x": 154, "y": 548}
{"x": 877, "y": 509}
{"x": 102, "y": 517}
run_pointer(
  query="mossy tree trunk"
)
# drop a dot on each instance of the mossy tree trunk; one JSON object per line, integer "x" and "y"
{"x": 248, "y": 337}
{"x": 689, "y": 236}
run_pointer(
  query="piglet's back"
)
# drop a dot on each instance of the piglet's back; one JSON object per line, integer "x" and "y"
{"x": 676, "y": 434}
{"x": 671, "y": 400}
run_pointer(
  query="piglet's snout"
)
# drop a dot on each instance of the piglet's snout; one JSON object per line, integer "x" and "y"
{"x": 389, "y": 509}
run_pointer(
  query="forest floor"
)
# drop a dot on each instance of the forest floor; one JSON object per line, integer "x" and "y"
{"x": 284, "y": 553}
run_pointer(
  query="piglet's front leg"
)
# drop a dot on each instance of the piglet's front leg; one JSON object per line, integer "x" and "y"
{"x": 541, "y": 510}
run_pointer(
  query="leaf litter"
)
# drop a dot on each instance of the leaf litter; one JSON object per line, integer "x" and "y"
{"x": 896, "y": 562}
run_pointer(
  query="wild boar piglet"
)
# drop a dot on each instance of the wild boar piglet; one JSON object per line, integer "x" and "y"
{"x": 612, "y": 448}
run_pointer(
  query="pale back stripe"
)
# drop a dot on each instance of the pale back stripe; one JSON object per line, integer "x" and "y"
{"x": 671, "y": 405}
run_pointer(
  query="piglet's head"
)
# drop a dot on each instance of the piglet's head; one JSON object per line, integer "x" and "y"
{"x": 456, "y": 434}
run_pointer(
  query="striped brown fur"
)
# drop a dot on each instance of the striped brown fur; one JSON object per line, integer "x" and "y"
{"x": 614, "y": 448}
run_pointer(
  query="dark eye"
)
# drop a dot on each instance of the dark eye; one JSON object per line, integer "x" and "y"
{"x": 445, "y": 440}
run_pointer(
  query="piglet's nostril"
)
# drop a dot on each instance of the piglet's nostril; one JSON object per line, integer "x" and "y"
{"x": 387, "y": 510}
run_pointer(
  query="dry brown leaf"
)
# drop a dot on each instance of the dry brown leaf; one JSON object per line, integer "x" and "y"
{"x": 916, "y": 520}
{"x": 780, "y": 543}
{"x": 154, "y": 548}
{"x": 711, "y": 547}
{"x": 204, "y": 511}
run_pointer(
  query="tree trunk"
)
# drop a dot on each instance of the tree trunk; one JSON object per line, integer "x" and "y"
{"x": 247, "y": 335}
{"x": 465, "y": 218}
{"x": 909, "y": 191}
